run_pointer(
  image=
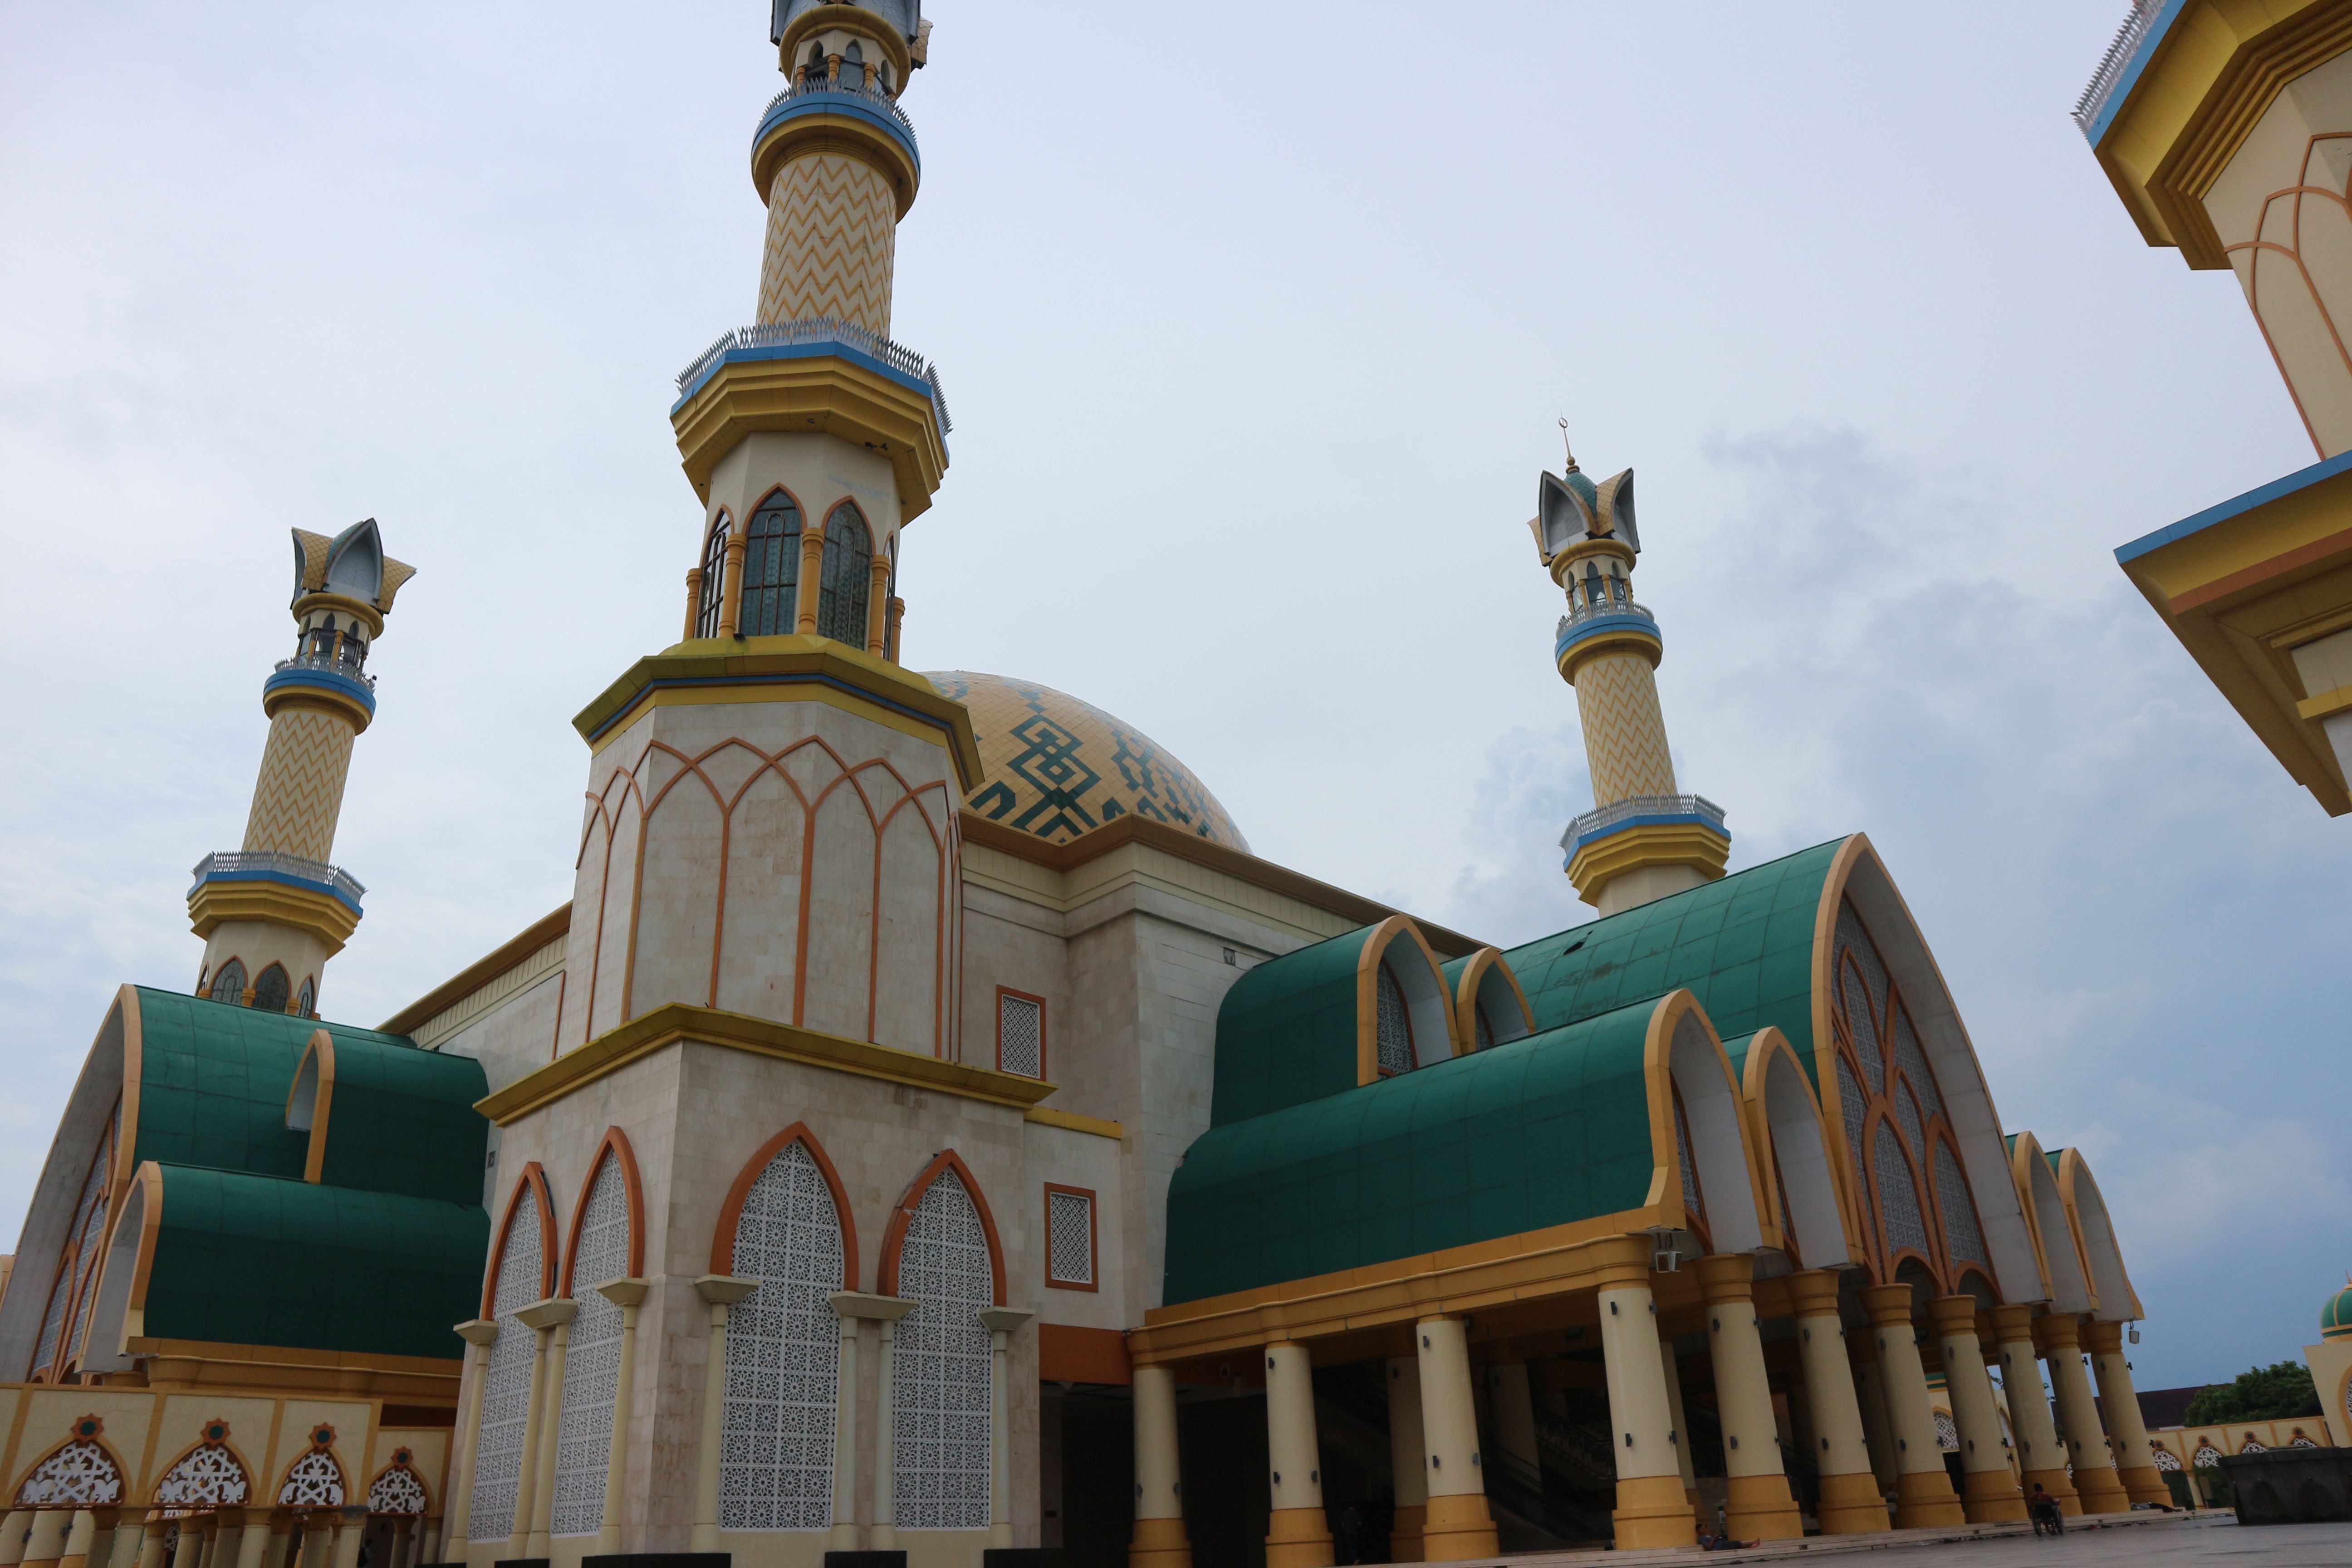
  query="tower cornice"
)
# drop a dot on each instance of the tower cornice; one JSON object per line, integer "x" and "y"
{"x": 866, "y": 125}
{"x": 815, "y": 387}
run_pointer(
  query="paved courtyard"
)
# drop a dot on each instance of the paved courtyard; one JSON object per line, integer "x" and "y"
{"x": 2163, "y": 1540}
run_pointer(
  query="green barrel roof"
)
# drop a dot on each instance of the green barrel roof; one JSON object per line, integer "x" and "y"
{"x": 402, "y": 1119}
{"x": 269, "y": 1260}
{"x": 1287, "y": 1031}
{"x": 1742, "y": 944}
{"x": 1545, "y": 1130}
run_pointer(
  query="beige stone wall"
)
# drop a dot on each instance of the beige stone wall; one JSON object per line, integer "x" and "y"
{"x": 2279, "y": 208}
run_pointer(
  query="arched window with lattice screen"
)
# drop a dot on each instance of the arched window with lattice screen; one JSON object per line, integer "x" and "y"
{"x": 783, "y": 1350}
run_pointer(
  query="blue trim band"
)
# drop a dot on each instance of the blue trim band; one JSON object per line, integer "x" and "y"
{"x": 287, "y": 879}
{"x": 861, "y": 694}
{"x": 2262, "y": 495}
{"x": 827, "y": 350}
{"x": 2130, "y": 76}
{"x": 848, "y": 104}
{"x": 1582, "y": 631}
{"x": 1671, "y": 818}
{"x": 342, "y": 685}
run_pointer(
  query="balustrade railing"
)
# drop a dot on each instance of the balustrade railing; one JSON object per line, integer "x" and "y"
{"x": 824, "y": 86}
{"x": 821, "y": 330}
{"x": 229, "y": 862}
{"x": 1607, "y": 816}
{"x": 331, "y": 665}
{"x": 2110, "y": 73}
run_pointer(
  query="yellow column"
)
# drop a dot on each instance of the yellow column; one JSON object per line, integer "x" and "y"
{"x": 47, "y": 1542}
{"x": 263, "y": 1527}
{"x": 1456, "y": 1522}
{"x": 812, "y": 577}
{"x": 1850, "y": 1502}
{"x": 80, "y": 1535}
{"x": 1295, "y": 1534}
{"x": 693, "y": 602}
{"x": 558, "y": 1343}
{"x": 130, "y": 1538}
{"x": 1511, "y": 1408}
{"x": 1408, "y": 1466}
{"x": 2127, "y": 1432}
{"x": 1160, "y": 1541}
{"x": 721, "y": 1292}
{"x": 1923, "y": 1491}
{"x": 317, "y": 1539}
{"x": 2101, "y": 1489}
{"x": 1988, "y": 1493}
{"x": 150, "y": 1549}
{"x": 353, "y": 1534}
{"x": 13, "y": 1530}
{"x": 730, "y": 592}
{"x": 628, "y": 1295}
{"x": 878, "y": 613}
{"x": 478, "y": 1334}
{"x": 1681, "y": 1432}
{"x": 1759, "y": 1506}
{"x": 2038, "y": 1451}
{"x": 1651, "y": 1508}
{"x": 1870, "y": 1393}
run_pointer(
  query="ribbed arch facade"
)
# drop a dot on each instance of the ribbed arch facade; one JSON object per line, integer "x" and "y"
{"x": 847, "y": 578}
{"x": 2065, "y": 1272}
{"x": 2095, "y": 1234}
{"x": 786, "y": 1224}
{"x": 1911, "y": 1191}
{"x": 942, "y": 1251}
{"x": 606, "y": 1243}
{"x": 73, "y": 1284}
{"x": 1695, "y": 1112}
{"x": 1490, "y": 1008}
{"x": 522, "y": 1272}
{"x": 1404, "y": 1008}
{"x": 1803, "y": 1195}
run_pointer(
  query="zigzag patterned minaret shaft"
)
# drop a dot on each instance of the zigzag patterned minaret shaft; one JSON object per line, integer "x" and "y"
{"x": 833, "y": 234}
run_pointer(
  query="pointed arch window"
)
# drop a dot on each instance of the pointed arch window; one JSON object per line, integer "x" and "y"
{"x": 771, "y": 569}
{"x": 228, "y": 984}
{"x": 1694, "y": 1198}
{"x": 1392, "y": 1025}
{"x": 1898, "y": 1195}
{"x": 848, "y": 573}
{"x": 506, "y": 1374}
{"x": 82, "y": 1474}
{"x": 940, "y": 1411}
{"x": 853, "y": 65}
{"x": 592, "y": 1367}
{"x": 709, "y": 608}
{"x": 1962, "y": 1233}
{"x": 784, "y": 1351}
{"x": 207, "y": 1476}
{"x": 307, "y": 1000}
{"x": 272, "y": 990}
{"x": 77, "y": 1273}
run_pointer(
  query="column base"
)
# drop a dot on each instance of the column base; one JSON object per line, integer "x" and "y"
{"x": 1297, "y": 1538}
{"x": 1990, "y": 1496}
{"x": 1760, "y": 1507}
{"x": 1405, "y": 1534}
{"x": 1924, "y": 1499}
{"x": 2144, "y": 1483}
{"x": 1651, "y": 1511}
{"x": 2102, "y": 1490}
{"x": 1851, "y": 1505}
{"x": 1454, "y": 1528}
{"x": 1159, "y": 1543}
{"x": 2056, "y": 1483}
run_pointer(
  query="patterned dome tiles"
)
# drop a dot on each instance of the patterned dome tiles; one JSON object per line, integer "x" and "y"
{"x": 1059, "y": 767}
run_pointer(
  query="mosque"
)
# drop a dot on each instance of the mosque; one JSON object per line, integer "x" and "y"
{"x": 929, "y": 1130}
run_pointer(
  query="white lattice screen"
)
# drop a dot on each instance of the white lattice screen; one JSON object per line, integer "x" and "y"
{"x": 396, "y": 1491}
{"x": 80, "y": 1474}
{"x": 207, "y": 1476}
{"x": 1898, "y": 1194}
{"x": 939, "y": 1389}
{"x": 1393, "y": 1026}
{"x": 1019, "y": 1036}
{"x": 505, "y": 1381}
{"x": 1070, "y": 1238}
{"x": 784, "y": 1352}
{"x": 591, "y": 1366}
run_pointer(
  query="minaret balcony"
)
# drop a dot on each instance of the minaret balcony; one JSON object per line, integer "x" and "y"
{"x": 819, "y": 107}
{"x": 275, "y": 888}
{"x": 313, "y": 680}
{"x": 270, "y": 866}
{"x": 1643, "y": 810}
{"x": 1607, "y": 620}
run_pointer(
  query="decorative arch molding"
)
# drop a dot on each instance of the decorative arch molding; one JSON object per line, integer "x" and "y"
{"x": 310, "y": 1097}
{"x": 731, "y": 1213}
{"x": 2094, "y": 1234}
{"x": 894, "y": 1237}
{"x": 1690, "y": 1085}
{"x": 118, "y": 1307}
{"x": 2065, "y": 1273}
{"x": 1857, "y": 876}
{"x": 400, "y": 1488}
{"x": 1489, "y": 1000}
{"x": 615, "y": 1146}
{"x": 211, "y": 1472}
{"x": 1805, "y": 1192}
{"x": 317, "y": 1477}
{"x": 531, "y": 1184}
{"x": 81, "y": 1469}
{"x": 1397, "y": 948}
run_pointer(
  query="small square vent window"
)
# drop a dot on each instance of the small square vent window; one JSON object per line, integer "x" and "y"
{"x": 1020, "y": 1033}
{"x": 1070, "y": 1238}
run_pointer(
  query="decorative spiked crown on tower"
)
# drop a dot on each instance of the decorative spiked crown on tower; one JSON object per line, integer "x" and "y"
{"x": 1643, "y": 838}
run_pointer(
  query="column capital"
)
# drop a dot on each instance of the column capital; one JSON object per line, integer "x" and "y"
{"x": 550, "y": 1313}
{"x": 852, "y": 1306}
{"x": 1725, "y": 1276}
{"x": 2100, "y": 1338}
{"x": 2012, "y": 1324}
{"x": 1813, "y": 1293}
{"x": 1889, "y": 1306}
{"x": 1953, "y": 1315}
{"x": 1003, "y": 1320}
{"x": 481, "y": 1331}
{"x": 623, "y": 1292}
{"x": 2061, "y": 1333}
{"x": 723, "y": 1289}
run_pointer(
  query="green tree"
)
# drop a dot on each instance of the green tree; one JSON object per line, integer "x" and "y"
{"x": 2273, "y": 1393}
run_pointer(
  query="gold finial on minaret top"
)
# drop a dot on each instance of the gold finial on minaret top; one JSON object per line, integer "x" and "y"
{"x": 1568, "y": 446}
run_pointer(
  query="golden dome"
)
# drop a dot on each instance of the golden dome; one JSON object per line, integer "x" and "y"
{"x": 1059, "y": 767}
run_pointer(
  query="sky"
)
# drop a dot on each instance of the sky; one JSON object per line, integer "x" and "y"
{"x": 1255, "y": 336}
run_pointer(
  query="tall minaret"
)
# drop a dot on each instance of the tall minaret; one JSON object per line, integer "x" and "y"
{"x": 272, "y": 913}
{"x": 1643, "y": 838}
{"x": 799, "y": 870}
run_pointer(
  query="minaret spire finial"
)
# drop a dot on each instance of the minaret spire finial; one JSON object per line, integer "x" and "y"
{"x": 1566, "y": 444}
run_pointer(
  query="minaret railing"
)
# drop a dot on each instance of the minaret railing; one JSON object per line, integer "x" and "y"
{"x": 228, "y": 863}
{"x": 1639, "y": 807}
{"x": 821, "y": 330}
{"x": 328, "y": 664}
{"x": 821, "y": 87}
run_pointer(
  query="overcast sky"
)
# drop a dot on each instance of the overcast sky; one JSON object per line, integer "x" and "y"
{"x": 1254, "y": 337}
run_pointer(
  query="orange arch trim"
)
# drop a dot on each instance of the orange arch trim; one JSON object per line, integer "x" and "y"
{"x": 616, "y": 1146}
{"x": 894, "y": 1239}
{"x": 722, "y": 1238}
{"x": 532, "y": 1181}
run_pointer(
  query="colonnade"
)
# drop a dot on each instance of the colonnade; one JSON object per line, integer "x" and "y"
{"x": 550, "y": 1322}
{"x": 223, "y": 1537}
{"x": 1868, "y": 1422}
